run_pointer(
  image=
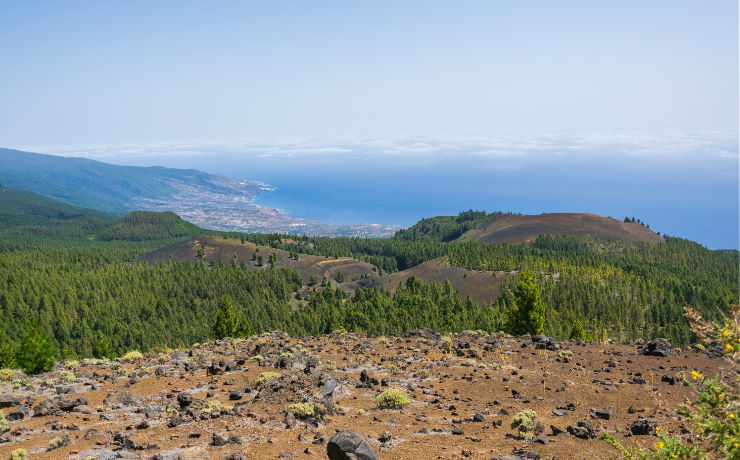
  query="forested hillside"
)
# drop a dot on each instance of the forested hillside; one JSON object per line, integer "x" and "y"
{"x": 77, "y": 281}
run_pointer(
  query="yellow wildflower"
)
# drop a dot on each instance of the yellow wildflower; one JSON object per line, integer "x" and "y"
{"x": 729, "y": 348}
{"x": 660, "y": 445}
{"x": 724, "y": 333}
{"x": 732, "y": 415}
{"x": 696, "y": 375}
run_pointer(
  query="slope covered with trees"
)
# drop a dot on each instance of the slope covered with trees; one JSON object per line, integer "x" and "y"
{"x": 73, "y": 283}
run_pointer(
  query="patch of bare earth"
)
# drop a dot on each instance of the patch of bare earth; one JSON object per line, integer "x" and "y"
{"x": 218, "y": 398}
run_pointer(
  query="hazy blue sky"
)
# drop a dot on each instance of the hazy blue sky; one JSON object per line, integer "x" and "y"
{"x": 99, "y": 72}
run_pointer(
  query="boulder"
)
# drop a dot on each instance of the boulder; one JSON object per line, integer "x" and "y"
{"x": 643, "y": 427}
{"x": 8, "y": 401}
{"x": 348, "y": 445}
{"x": 658, "y": 347}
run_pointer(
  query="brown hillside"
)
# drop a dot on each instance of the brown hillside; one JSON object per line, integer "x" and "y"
{"x": 482, "y": 286}
{"x": 515, "y": 229}
{"x": 222, "y": 250}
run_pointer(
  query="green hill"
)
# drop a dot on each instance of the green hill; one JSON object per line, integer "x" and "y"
{"x": 23, "y": 208}
{"x": 147, "y": 225}
{"x": 445, "y": 228}
{"x": 111, "y": 188}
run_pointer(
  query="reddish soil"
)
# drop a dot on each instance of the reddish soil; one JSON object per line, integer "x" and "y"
{"x": 515, "y": 228}
{"x": 491, "y": 376}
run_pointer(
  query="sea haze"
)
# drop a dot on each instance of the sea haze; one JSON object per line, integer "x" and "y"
{"x": 679, "y": 185}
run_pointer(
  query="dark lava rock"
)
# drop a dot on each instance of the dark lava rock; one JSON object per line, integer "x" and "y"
{"x": 544, "y": 342}
{"x": 603, "y": 414}
{"x": 348, "y": 445}
{"x": 643, "y": 427}
{"x": 671, "y": 380}
{"x": 46, "y": 407}
{"x": 174, "y": 421}
{"x": 184, "y": 399}
{"x": 68, "y": 405}
{"x": 236, "y": 395}
{"x": 457, "y": 430}
{"x": 218, "y": 440}
{"x": 125, "y": 441}
{"x": 8, "y": 401}
{"x": 556, "y": 431}
{"x": 478, "y": 417}
{"x": 658, "y": 347}
{"x": 583, "y": 430}
{"x": 235, "y": 456}
{"x": 15, "y": 416}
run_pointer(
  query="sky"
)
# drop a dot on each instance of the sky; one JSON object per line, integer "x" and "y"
{"x": 618, "y": 108}
{"x": 104, "y": 72}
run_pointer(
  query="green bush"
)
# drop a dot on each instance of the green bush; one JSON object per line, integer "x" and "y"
{"x": 392, "y": 398}
{"x": 565, "y": 356}
{"x": 267, "y": 377}
{"x": 527, "y": 424}
{"x": 4, "y": 425}
{"x": 307, "y": 409}
{"x": 19, "y": 454}
{"x": 131, "y": 356}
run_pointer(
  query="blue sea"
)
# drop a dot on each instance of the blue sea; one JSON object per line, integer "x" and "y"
{"x": 685, "y": 197}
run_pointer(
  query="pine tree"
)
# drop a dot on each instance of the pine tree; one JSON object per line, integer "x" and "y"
{"x": 527, "y": 314}
{"x": 36, "y": 354}
{"x": 576, "y": 333}
{"x": 226, "y": 323}
{"x": 6, "y": 350}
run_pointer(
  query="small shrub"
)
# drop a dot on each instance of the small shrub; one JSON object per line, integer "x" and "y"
{"x": 383, "y": 340}
{"x": 6, "y": 374}
{"x": 565, "y": 356}
{"x": 4, "y": 425}
{"x": 393, "y": 399}
{"x": 131, "y": 356}
{"x": 307, "y": 410}
{"x": 213, "y": 406}
{"x": 19, "y": 454}
{"x": 330, "y": 366}
{"x": 67, "y": 377}
{"x": 267, "y": 377}
{"x": 527, "y": 424}
{"x": 56, "y": 443}
{"x": 447, "y": 344}
{"x": 286, "y": 354}
{"x": 394, "y": 369}
{"x": 71, "y": 364}
{"x": 258, "y": 358}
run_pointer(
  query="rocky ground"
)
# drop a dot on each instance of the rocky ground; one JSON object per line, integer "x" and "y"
{"x": 273, "y": 396}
